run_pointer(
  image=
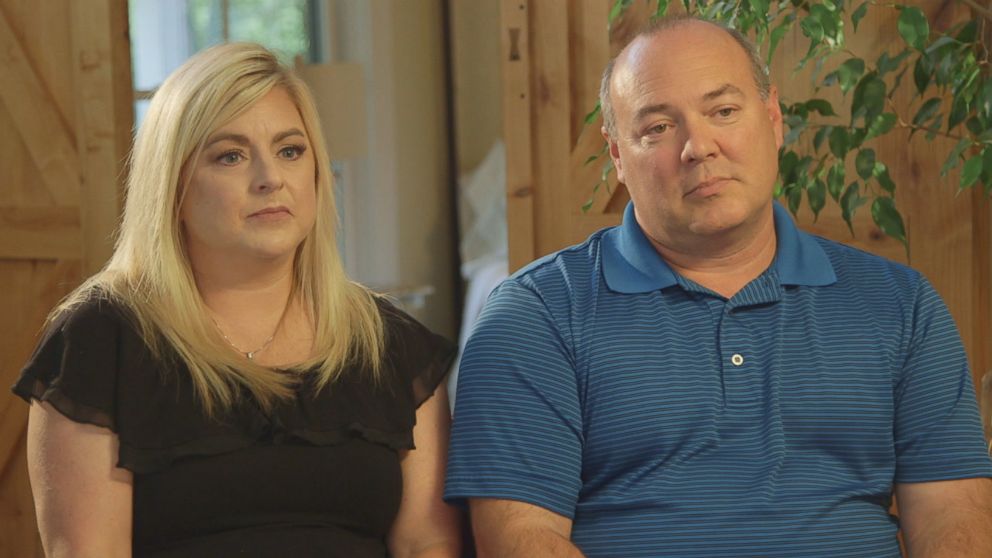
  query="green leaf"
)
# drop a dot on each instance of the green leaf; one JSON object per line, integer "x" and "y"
{"x": 787, "y": 166}
{"x": 987, "y": 169}
{"x": 849, "y": 204}
{"x": 942, "y": 43}
{"x": 820, "y": 137}
{"x": 886, "y": 64}
{"x": 812, "y": 28}
{"x": 952, "y": 159}
{"x": 839, "y": 142}
{"x": 959, "y": 111}
{"x": 968, "y": 33}
{"x": 849, "y": 73}
{"x": 796, "y": 124}
{"x": 777, "y": 34}
{"x": 926, "y": 111}
{"x": 922, "y": 73}
{"x": 831, "y": 78}
{"x": 816, "y": 193}
{"x": 869, "y": 99}
{"x": 617, "y": 10}
{"x": 971, "y": 171}
{"x": 662, "y": 9}
{"x": 897, "y": 81}
{"x": 865, "y": 163}
{"x": 882, "y": 124}
{"x": 795, "y": 197}
{"x": 985, "y": 99}
{"x": 881, "y": 173}
{"x": 835, "y": 180}
{"x": 914, "y": 27}
{"x": 827, "y": 20}
{"x": 975, "y": 126}
{"x": 887, "y": 217}
{"x": 821, "y": 106}
{"x": 858, "y": 15}
{"x": 591, "y": 116}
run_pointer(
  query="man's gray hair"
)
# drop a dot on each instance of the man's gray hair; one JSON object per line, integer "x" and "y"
{"x": 758, "y": 68}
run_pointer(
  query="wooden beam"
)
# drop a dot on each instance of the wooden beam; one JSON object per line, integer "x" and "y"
{"x": 37, "y": 119}
{"x": 93, "y": 44}
{"x": 46, "y": 233}
{"x": 515, "y": 65}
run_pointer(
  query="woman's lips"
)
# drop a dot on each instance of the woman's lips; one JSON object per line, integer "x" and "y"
{"x": 271, "y": 212}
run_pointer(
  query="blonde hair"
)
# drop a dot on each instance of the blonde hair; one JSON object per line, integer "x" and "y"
{"x": 150, "y": 273}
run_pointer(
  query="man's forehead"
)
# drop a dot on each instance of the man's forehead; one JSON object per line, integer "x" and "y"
{"x": 649, "y": 65}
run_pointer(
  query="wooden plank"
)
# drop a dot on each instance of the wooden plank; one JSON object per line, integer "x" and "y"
{"x": 48, "y": 233}
{"x": 589, "y": 47}
{"x": 551, "y": 137}
{"x": 38, "y": 121}
{"x": 515, "y": 67}
{"x": 18, "y": 529}
{"x": 96, "y": 132}
{"x": 30, "y": 290}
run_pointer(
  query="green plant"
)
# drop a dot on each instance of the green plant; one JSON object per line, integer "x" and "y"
{"x": 949, "y": 73}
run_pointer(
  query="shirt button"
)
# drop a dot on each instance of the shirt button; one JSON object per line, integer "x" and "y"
{"x": 737, "y": 359}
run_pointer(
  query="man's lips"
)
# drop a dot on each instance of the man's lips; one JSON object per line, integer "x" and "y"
{"x": 708, "y": 187}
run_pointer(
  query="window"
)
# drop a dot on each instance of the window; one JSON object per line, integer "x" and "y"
{"x": 164, "y": 33}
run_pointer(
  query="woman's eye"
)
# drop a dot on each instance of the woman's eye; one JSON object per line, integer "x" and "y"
{"x": 230, "y": 158}
{"x": 292, "y": 152}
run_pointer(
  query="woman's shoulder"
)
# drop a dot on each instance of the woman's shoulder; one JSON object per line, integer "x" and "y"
{"x": 418, "y": 357}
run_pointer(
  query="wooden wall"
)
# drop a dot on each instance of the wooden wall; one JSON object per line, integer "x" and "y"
{"x": 66, "y": 116}
{"x": 552, "y": 56}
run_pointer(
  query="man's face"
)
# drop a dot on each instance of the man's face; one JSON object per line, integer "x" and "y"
{"x": 695, "y": 144}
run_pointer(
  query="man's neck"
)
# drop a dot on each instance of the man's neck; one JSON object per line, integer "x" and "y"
{"x": 725, "y": 264}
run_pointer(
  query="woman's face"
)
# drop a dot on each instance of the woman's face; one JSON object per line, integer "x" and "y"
{"x": 252, "y": 190}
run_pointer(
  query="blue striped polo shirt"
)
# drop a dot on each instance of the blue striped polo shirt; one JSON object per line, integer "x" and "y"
{"x": 667, "y": 420}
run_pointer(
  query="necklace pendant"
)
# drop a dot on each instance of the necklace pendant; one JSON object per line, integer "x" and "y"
{"x": 251, "y": 355}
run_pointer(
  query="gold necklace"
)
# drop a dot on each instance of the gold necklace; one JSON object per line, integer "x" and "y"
{"x": 250, "y": 355}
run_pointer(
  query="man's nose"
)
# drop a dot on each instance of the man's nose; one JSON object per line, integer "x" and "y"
{"x": 700, "y": 145}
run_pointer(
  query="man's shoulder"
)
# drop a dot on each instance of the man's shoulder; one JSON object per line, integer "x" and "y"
{"x": 855, "y": 263}
{"x": 567, "y": 263}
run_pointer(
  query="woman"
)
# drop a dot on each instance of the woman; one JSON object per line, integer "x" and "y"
{"x": 221, "y": 388}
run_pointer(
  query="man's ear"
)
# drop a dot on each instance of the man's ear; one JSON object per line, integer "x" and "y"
{"x": 775, "y": 115}
{"x": 614, "y": 151}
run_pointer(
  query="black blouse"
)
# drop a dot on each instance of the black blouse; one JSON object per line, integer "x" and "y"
{"x": 318, "y": 476}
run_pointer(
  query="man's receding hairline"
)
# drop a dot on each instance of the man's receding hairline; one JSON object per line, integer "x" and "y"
{"x": 656, "y": 30}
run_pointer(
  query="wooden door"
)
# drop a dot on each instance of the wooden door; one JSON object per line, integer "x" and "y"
{"x": 65, "y": 117}
{"x": 552, "y": 57}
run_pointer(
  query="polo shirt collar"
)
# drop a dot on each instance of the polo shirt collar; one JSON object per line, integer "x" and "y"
{"x": 632, "y": 265}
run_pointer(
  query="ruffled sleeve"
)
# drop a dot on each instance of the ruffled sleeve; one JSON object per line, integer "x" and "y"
{"x": 93, "y": 367}
{"x": 74, "y": 366}
{"x": 417, "y": 355}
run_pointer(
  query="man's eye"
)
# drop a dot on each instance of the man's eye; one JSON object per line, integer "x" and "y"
{"x": 726, "y": 112}
{"x": 658, "y": 129}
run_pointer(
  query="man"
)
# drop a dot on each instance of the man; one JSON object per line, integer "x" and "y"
{"x": 705, "y": 379}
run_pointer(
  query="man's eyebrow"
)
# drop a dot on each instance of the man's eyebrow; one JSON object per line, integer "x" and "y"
{"x": 725, "y": 89}
{"x": 651, "y": 109}
{"x": 243, "y": 140}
